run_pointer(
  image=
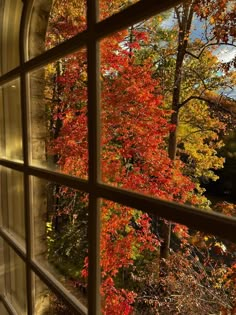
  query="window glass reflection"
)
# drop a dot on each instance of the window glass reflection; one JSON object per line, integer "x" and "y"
{"x": 3, "y": 310}
{"x": 59, "y": 20}
{"x": 60, "y": 216}
{"x": 10, "y": 121}
{"x": 46, "y": 302}
{"x": 12, "y": 202}
{"x": 15, "y": 279}
{"x": 58, "y": 115}
{"x": 9, "y": 38}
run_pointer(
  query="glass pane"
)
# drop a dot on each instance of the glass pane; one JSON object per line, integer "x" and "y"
{"x": 2, "y": 279}
{"x": 10, "y": 121}
{"x": 15, "y": 279}
{"x": 164, "y": 120}
{"x": 108, "y": 8}
{"x": 58, "y": 20}
{"x": 58, "y": 115}
{"x": 12, "y": 203}
{"x": 152, "y": 266}
{"x": 47, "y": 303}
{"x": 60, "y": 233}
{"x": 3, "y": 310}
{"x": 9, "y": 40}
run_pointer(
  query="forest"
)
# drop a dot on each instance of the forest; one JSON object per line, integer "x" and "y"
{"x": 168, "y": 109}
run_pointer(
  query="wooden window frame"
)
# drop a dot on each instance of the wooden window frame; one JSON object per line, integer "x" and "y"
{"x": 96, "y": 30}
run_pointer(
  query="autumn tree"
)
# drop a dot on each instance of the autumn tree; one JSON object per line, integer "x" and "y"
{"x": 135, "y": 128}
{"x": 127, "y": 161}
{"x": 186, "y": 49}
{"x": 183, "y": 47}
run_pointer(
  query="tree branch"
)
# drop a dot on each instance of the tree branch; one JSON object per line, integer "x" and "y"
{"x": 208, "y": 45}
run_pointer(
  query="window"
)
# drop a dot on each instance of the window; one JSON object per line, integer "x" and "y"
{"x": 26, "y": 175}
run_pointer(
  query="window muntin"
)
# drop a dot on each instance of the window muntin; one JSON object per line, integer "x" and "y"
{"x": 178, "y": 213}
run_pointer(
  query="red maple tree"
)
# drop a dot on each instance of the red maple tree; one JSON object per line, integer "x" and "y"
{"x": 133, "y": 152}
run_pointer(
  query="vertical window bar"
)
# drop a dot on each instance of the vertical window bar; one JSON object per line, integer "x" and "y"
{"x": 28, "y": 231}
{"x": 94, "y": 156}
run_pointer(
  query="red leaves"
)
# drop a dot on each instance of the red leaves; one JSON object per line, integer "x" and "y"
{"x": 121, "y": 241}
{"x": 221, "y": 15}
{"x": 116, "y": 301}
{"x": 133, "y": 153}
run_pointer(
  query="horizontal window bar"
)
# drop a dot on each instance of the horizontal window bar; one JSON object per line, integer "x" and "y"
{"x": 9, "y": 76}
{"x": 17, "y": 166}
{"x": 210, "y": 222}
{"x": 199, "y": 219}
{"x": 133, "y": 14}
{"x": 60, "y": 178}
{"x": 11, "y": 241}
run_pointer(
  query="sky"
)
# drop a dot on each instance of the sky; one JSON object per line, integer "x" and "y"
{"x": 224, "y": 53}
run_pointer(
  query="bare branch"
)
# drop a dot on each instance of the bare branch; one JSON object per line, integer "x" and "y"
{"x": 206, "y": 46}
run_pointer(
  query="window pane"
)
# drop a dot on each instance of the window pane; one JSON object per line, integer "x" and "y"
{"x": 58, "y": 115}
{"x": 163, "y": 127}
{"x": 58, "y": 20}
{"x": 15, "y": 279}
{"x": 67, "y": 18}
{"x": 10, "y": 121}
{"x": 46, "y": 302}
{"x": 152, "y": 266}
{"x": 12, "y": 203}
{"x": 60, "y": 233}
{"x": 2, "y": 279}
{"x": 9, "y": 39}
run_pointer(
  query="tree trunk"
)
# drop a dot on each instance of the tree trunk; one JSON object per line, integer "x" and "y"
{"x": 172, "y": 142}
{"x": 166, "y": 235}
{"x": 184, "y": 18}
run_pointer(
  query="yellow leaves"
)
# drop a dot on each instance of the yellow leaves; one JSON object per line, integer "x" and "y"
{"x": 197, "y": 240}
{"x": 198, "y": 132}
{"x": 84, "y": 76}
{"x": 51, "y": 69}
{"x": 212, "y": 20}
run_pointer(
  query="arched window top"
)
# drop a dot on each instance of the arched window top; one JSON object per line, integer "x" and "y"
{"x": 37, "y": 27}
{"x": 57, "y": 57}
{"x": 64, "y": 19}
